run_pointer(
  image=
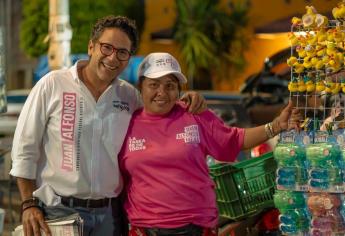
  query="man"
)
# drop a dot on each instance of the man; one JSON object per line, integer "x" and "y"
{"x": 70, "y": 131}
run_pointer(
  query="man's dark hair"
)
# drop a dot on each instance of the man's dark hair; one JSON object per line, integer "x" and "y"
{"x": 122, "y": 23}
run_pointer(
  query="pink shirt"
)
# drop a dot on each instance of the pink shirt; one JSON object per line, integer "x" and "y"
{"x": 163, "y": 160}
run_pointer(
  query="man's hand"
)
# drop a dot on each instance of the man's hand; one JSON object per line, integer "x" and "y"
{"x": 195, "y": 101}
{"x": 32, "y": 216}
{"x": 33, "y": 221}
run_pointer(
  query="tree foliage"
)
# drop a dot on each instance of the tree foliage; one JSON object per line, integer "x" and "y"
{"x": 34, "y": 27}
{"x": 210, "y": 39}
{"x": 83, "y": 15}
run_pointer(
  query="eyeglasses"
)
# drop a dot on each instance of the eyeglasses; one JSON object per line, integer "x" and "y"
{"x": 122, "y": 54}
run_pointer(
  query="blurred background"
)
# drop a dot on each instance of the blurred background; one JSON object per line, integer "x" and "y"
{"x": 242, "y": 33}
{"x": 238, "y": 47}
{"x": 233, "y": 51}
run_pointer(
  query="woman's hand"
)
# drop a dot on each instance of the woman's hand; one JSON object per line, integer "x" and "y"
{"x": 288, "y": 119}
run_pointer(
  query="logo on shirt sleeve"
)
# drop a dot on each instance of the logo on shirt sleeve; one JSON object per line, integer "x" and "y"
{"x": 136, "y": 144}
{"x": 190, "y": 134}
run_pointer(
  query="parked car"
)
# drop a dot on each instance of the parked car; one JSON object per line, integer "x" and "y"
{"x": 15, "y": 102}
{"x": 267, "y": 91}
{"x": 228, "y": 106}
{"x": 231, "y": 108}
{"x": 272, "y": 79}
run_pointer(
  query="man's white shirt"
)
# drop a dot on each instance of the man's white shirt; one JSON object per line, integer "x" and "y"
{"x": 69, "y": 142}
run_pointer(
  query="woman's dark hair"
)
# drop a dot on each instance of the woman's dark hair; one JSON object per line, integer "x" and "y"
{"x": 142, "y": 78}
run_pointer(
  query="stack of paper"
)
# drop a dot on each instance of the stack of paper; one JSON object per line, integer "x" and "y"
{"x": 71, "y": 225}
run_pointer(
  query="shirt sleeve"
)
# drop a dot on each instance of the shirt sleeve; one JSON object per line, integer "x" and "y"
{"x": 139, "y": 101}
{"x": 27, "y": 141}
{"x": 222, "y": 142}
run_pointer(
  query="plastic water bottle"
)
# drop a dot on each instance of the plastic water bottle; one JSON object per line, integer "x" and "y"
{"x": 342, "y": 206}
{"x": 320, "y": 203}
{"x": 291, "y": 172}
{"x": 318, "y": 232}
{"x": 319, "y": 174}
{"x": 325, "y": 223}
{"x": 326, "y": 213}
{"x": 342, "y": 211}
{"x": 325, "y": 173}
{"x": 294, "y": 217}
{"x": 286, "y": 176}
{"x": 319, "y": 184}
{"x": 342, "y": 163}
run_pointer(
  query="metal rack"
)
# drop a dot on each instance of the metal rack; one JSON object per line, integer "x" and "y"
{"x": 326, "y": 102}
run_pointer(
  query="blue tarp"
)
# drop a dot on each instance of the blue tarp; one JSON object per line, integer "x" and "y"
{"x": 129, "y": 74}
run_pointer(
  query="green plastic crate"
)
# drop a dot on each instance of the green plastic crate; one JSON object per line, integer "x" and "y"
{"x": 244, "y": 188}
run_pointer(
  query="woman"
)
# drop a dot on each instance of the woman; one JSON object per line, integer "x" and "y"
{"x": 163, "y": 159}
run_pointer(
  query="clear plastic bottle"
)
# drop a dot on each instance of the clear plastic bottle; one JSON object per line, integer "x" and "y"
{"x": 294, "y": 217}
{"x": 342, "y": 163}
{"x": 325, "y": 223}
{"x": 325, "y": 212}
{"x": 317, "y": 232}
{"x": 325, "y": 173}
{"x": 342, "y": 211}
{"x": 342, "y": 207}
{"x": 291, "y": 171}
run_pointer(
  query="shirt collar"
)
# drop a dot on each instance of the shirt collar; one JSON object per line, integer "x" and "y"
{"x": 74, "y": 69}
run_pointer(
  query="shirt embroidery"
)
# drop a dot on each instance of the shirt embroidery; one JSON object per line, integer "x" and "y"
{"x": 190, "y": 135}
{"x": 121, "y": 106}
{"x": 168, "y": 63}
{"x": 136, "y": 144}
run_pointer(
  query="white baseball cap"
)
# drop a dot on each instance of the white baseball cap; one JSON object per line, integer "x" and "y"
{"x": 158, "y": 64}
